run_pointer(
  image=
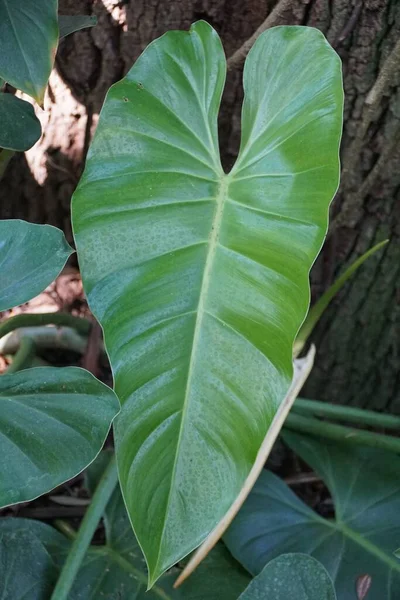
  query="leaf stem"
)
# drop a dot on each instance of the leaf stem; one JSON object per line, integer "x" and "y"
{"x": 29, "y": 320}
{"x": 23, "y": 356}
{"x": 66, "y": 529}
{"x": 346, "y": 413}
{"x": 323, "y": 429}
{"x": 86, "y": 531}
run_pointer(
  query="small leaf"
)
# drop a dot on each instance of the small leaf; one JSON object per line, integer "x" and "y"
{"x": 31, "y": 257}
{"x": 20, "y": 128}
{"x": 322, "y": 304}
{"x": 363, "y": 586}
{"x": 291, "y": 577}
{"x": 69, "y": 24}
{"x": 365, "y": 487}
{"x": 53, "y": 424}
{"x": 29, "y": 38}
{"x": 200, "y": 278}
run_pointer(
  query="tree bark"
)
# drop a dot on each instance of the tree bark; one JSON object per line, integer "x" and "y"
{"x": 358, "y": 339}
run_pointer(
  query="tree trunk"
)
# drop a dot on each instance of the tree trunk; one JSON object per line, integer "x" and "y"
{"x": 358, "y": 339}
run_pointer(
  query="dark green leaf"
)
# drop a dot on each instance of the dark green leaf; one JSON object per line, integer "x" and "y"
{"x": 20, "y": 128}
{"x": 365, "y": 487}
{"x": 200, "y": 279}
{"x": 291, "y": 577}
{"x": 28, "y": 44}
{"x": 31, "y": 257}
{"x": 27, "y": 568}
{"x": 69, "y": 24}
{"x": 53, "y": 423}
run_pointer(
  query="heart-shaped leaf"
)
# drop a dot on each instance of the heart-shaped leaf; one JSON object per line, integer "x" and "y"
{"x": 69, "y": 24}
{"x": 360, "y": 541}
{"x": 113, "y": 570}
{"x": 20, "y": 128}
{"x": 31, "y": 257}
{"x": 291, "y": 577}
{"x": 200, "y": 279}
{"x": 53, "y": 423}
{"x": 28, "y": 44}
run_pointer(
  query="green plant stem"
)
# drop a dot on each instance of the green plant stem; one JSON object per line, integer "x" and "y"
{"x": 66, "y": 529}
{"x": 86, "y": 531}
{"x": 323, "y": 429}
{"x": 29, "y": 320}
{"x": 346, "y": 413}
{"x": 24, "y": 355}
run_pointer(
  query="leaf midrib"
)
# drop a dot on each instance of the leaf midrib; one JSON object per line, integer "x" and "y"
{"x": 359, "y": 539}
{"x": 220, "y": 199}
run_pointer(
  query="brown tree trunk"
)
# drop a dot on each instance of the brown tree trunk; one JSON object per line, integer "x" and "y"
{"x": 358, "y": 339}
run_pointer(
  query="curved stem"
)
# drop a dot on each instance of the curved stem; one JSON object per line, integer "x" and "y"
{"x": 29, "y": 320}
{"x": 86, "y": 531}
{"x": 323, "y": 429}
{"x": 346, "y": 413}
{"x": 23, "y": 356}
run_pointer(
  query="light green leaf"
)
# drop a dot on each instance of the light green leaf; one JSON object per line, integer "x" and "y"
{"x": 113, "y": 570}
{"x": 28, "y": 44}
{"x": 53, "y": 423}
{"x": 20, "y": 128}
{"x": 31, "y": 257}
{"x": 360, "y": 541}
{"x": 200, "y": 279}
{"x": 69, "y": 24}
{"x": 322, "y": 304}
{"x": 291, "y": 577}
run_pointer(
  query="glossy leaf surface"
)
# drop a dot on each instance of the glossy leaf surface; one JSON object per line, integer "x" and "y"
{"x": 28, "y": 44}
{"x": 70, "y": 23}
{"x": 53, "y": 423}
{"x": 365, "y": 487}
{"x": 114, "y": 570}
{"x": 291, "y": 577}
{"x": 31, "y": 257}
{"x": 20, "y": 128}
{"x": 200, "y": 279}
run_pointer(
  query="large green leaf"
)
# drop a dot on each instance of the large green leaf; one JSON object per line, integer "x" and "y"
{"x": 200, "y": 279}
{"x": 28, "y": 43}
{"x": 53, "y": 423}
{"x": 31, "y": 257}
{"x": 365, "y": 487}
{"x": 20, "y": 128}
{"x": 115, "y": 570}
{"x": 291, "y": 577}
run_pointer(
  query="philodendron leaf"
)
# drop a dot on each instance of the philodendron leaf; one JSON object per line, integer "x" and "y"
{"x": 360, "y": 541}
{"x": 200, "y": 279}
{"x": 53, "y": 423}
{"x": 69, "y": 24}
{"x": 20, "y": 128}
{"x": 28, "y": 44}
{"x": 113, "y": 570}
{"x": 291, "y": 577}
{"x": 31, "y": 257}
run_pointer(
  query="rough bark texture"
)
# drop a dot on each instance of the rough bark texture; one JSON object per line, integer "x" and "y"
{"x": 358, "y": 339}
